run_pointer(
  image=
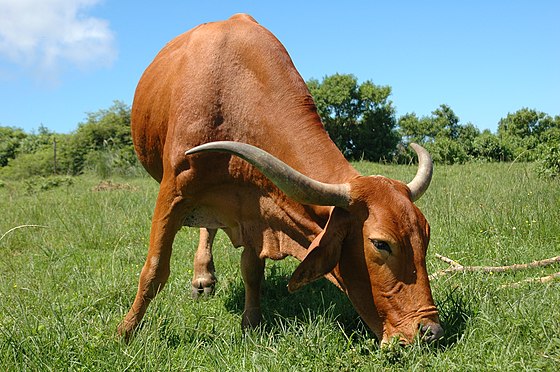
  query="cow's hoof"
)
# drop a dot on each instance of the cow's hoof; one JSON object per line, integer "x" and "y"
{"x": 251, "y": 319}
{"x": 203, "y": 288}
{"x": 125, "y": 331}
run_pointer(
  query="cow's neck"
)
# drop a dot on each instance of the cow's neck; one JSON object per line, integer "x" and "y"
{"x": 304, "y": 145}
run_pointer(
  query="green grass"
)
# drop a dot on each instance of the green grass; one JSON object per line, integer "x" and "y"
{"x": 65, "y": 286}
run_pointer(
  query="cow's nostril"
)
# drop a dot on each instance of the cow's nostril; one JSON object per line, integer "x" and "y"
{"x": 430, "y": 332}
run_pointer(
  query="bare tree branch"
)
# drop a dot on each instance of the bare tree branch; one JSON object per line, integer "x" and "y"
{"x": 448, "y": 260}
{"x": 457, "y": 267}
{"x": 542, "y": 279}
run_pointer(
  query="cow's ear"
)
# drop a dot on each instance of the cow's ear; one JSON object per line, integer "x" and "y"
{"x": 324, "y": 252}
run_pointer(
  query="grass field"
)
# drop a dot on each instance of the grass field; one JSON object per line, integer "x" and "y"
{"x": 67, "y": 282}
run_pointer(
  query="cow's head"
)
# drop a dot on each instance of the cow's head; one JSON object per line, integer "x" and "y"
{"x": 374, "y": 243}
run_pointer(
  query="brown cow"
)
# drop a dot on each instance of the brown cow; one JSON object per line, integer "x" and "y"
{"x": 234, "y": 82}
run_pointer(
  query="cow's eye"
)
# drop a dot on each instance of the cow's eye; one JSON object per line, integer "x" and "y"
{"x": 381, "y": 245}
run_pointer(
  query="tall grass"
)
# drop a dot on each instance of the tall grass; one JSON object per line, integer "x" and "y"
{"x": 65, "y": 286}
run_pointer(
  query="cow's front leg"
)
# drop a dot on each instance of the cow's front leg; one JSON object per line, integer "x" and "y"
{"x": 166, "y": 221}
{"x": 252, "y": 270}
{"x": 204, "y": 279}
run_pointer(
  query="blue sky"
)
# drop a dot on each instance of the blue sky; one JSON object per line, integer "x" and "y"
{"x": 60, "y": 59}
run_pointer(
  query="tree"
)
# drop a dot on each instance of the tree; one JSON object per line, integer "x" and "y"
{"x": 445, "y": 122}
{"x": 490, "y": 147}
{"x": 523, "y": 123}
{"x": 359, "y": 118}
{"x": 526, "y": 131}
{"x": 447, "y": 151}
{"x": 102, "y": 144}
{"x": 105, "y": 130}
{"x": 441, "y": 133}
{"x": 466, "y": 136}
{"x": 10, "y": 141}
{"x": 442, "y": 124}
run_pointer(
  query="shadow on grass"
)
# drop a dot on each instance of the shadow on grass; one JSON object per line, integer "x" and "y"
{"x": 321, "y": 298}
{"x": 454, "y": 313}
{"x": 318, "y": 299}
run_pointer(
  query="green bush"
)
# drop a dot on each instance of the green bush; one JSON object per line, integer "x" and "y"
{"x": 98, "y": 163}
{"x": 526, "y": 131}
{"x": 34, "y": 184}
{"x": 40, "y": 163}
{"x": 549, "y": 163}
{"x": 10, "y": 141}
{"x": 104, "y": 131}
{"x": 447, "y": 151}
{"x": 121, "y": 161}
{"x": 488, "y": 147}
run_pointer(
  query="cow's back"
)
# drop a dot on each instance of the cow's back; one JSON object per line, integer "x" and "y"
{"x": 230, "y": 80}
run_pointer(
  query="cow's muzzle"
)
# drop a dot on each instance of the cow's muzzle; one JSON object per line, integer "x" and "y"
{"x": 430, "y": 331}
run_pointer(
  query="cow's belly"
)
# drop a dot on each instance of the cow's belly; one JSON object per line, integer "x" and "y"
{"x": 203, "y": 217}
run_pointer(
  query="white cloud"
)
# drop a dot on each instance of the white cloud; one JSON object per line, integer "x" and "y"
{"x": 47, "y": 34}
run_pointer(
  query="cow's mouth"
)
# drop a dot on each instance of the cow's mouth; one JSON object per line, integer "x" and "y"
{"x": 428, "y": 331}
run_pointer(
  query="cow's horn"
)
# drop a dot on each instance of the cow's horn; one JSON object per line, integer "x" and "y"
{"x": 294, "y": 184}
{"x": 423, "y": 176}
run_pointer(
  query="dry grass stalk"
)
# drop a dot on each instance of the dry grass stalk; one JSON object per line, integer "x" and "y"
{"x": 20, "y": 227}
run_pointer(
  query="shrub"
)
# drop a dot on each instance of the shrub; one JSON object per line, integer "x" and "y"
{"x": 549, "y": 163}
{"x": 10, "y": 141}
{"x": 447, "y": 151}
{"x": 40, "y": 163}
{"x": 99, "y": 163}
{"x": 108, "y": 162}
{"x": 34, "y": 184}
{"x": 489, "y": 147}
{"x": 104, "y": 131}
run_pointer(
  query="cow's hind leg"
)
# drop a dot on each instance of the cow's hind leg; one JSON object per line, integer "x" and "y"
{"x": 166, "y": 221}
{"x": 204, "y": 279}
{"x": 252, "y": 270}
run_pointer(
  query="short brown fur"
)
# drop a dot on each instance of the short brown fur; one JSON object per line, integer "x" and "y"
{"x": 233, "y": 80}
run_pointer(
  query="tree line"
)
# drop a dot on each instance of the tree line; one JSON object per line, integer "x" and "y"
{"x": 359, "y": 117}
{"x": 102, "y": 145}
